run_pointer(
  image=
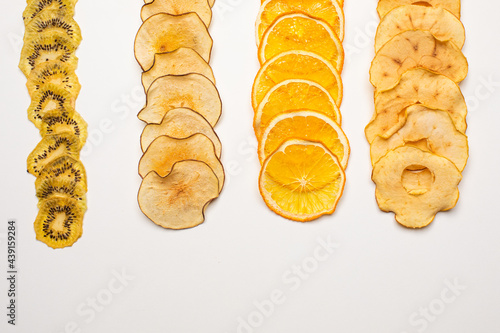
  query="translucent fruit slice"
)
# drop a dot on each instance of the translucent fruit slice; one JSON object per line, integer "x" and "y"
{"x": 64, "y": 167}
{"x": 57, "y": 8}
{"x": 302, "y": 181}
{"x": 192, "y": 91}
{"x": 328, "y": 10}
{"x": 179, "y": 62}
{"x": 46, "y": 23}
{"x": 301, "y": 32}
{"x": 308, "y": 126}
{"x": 180, "y": 124}
{"x": 56, "y": 123}
{"x": 165, "y": 33}
{"x": 385, "y": 6}
{"x": 165, "y": 151}
{"x": 178, "y": 7}
{"x": 292, "y": 95}
{"x": 59, "y": 222}
{"x": 55, "y": 72}
{"x": 297, "y": 65}
{"x": 179, "y": 200}
{"x": 50, "y": 98}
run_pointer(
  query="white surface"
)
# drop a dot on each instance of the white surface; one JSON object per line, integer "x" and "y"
{"x": 204, "y": 279}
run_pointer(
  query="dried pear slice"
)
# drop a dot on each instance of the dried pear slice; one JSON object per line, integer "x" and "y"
{"x": 165, "y": 33}
{"x": 165, "y": 151}
{"x": 59, "y": 222}
{"x": 192, "y": 91}
{"x": 179, "y": 62}
{"x": 180, "y": 124}
{"x": 178, "y": 7}
{"x": 210, "y": 2}
{"x": 415, "y": 203}
{"x": 385, "y": 6}
{"x": 417, "y": 86}
{"x": 57, "y": 8}
{"x": 432, "y": 128}
{"x": 55, "y": 72}
{"x": 414, "y": 49}
{"x": 64, "y": 167}
{"x": 45, "y": 24}
{"x": 178, "y": 200}
{"x": 50, "y": 98}
{"x": 51, "y": 148}
{"x": 55, "y": 46}
{"x": 56, "y": 123}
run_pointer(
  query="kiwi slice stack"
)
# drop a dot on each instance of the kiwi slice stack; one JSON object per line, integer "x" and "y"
{"x": 49, "y": 62}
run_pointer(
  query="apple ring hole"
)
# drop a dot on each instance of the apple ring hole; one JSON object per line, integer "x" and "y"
{"x": 417, "y": 179}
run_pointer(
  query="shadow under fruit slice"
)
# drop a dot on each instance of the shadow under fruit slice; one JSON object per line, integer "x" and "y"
{"x": 57, "y": 8}
{"x": 302, "y": 181}
{"x": 64, "y": 167}
{"x": 59, "y": 222}
{"x": 192, "y": 91}
{"x": 50, "y": 98}
{"x": 385, "y": 6}
{"x": 180, "y": 124}
{"x": 179, "y": 200}
{"x": 165, "y": 151}
{"x": 178, "y": 7}
{"x": 56, "y": 123}
{"x": 51, "y": 148}
{"x": 46, "y": 23}
{"x": 55, "y": 72}
{"x": 165, "y": 33}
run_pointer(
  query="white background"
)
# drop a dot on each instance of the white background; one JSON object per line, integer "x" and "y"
{"x": 207, "y": 278}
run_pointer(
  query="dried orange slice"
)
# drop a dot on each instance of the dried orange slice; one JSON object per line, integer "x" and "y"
{"x": 341, "y": 2}
{"x": 302, "y": 181}
{"x": 327, "y": 10}
{"x": 297, "y": 65}
{"x": 385, "y": 6}
{"x": 305, "y": 125}
{"x": 301, "y": 32}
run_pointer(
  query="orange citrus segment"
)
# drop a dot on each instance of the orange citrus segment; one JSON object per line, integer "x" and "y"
{"x": 302, "y": 181}
{"x": 302, "y": 32}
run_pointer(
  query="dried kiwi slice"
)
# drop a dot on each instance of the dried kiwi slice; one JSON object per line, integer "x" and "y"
{"x": 45, "y": 23}
{"x": 55, "y": 46}
{"x": 55, "y": 72}
{"x": 49, "y": 188}
{"x": 50, "y": 98}
{"x": 50, "y": 148}
{"x": 59, "y": 222}
{"x": 58, "y": 8}
{"x": 56, "y": 123}
{"x": 64, "y": 167}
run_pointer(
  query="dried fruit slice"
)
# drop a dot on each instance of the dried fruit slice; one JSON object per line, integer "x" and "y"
{"x": 210, "y": 2}
{"x": 297, "y": 65}
{"x": 49, "y": 188}
{"x": 179, "y": 200}
{"x": 59, "y": 222}
{"x": 165, "y": 151}
{"x": 417, "y": 86}
{"x": 432, "y": 129}
{"x": 301, "y": 32}
{"x": 50, "y": 98}
{"x": 58, "y": 8}
{"x": 178, "y": 7}
{"x": 45, "y": 48}
{"x": 54, "y": 72}
{"x": 308, "y": 126}
{"x": 327, "y": 10}
{"x": 385, "y": 6}
{"x": 413, "y": 49}
{"x": 64, "y": 167}
{"x": 415, "y": 203}
{"x": 56, "y": 123}
{"x": 179, "y": 62}
{"x": 292, "y": 95}
{"x": 180, "y": 124}
{"x": 46, "y": 23}
{"x": 302, "y": 181}
{"x": 441, "y": 23}
{"x": 165, "y": 33}
{"x": 51, "y": 148}
{"x": 192, "y": 91}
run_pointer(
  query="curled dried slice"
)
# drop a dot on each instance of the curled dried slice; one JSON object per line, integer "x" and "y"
{"x": 297, "y": 65}
{"x": 385, "y": 6}
{"x": 165, "y": 151}
{"x": 441, "y": 23}
{"x": 433, "y": 130}
{"x": 59, "y": 222}
{"x": 180, "y": 124}
{"x": 301, "y": 32}
{"x": 54, "y": 72}
{"x": 165, "y": 33}
{"x": 46, "y": 23}
{"x": 50, "y": 98}
{"x": 415, "y": 185}
{"x": 179, "y": 200}
{"x": 302, "y": 181}
{"x": 179, "y": 62}
{"x": 56, "y": 123}
{"x": 178, "y": 7}
{"x": 292, "y": 95}
{"x": 57, "y": 8}
{"x": 64, "y": 167}
{"x": 51, "y": 148}
{"x": 414, "y": 49}
{"x": 417, "y": 86}
{"x": 308, "y": 126}
{"x": 192, "y": 91}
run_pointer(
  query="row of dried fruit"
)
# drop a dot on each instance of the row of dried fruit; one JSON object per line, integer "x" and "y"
{"x": 48, "y": 60}
{"x": 296, "y": 98}
{"x": 417, "y": 134}
{"x": 181, "y": 168}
